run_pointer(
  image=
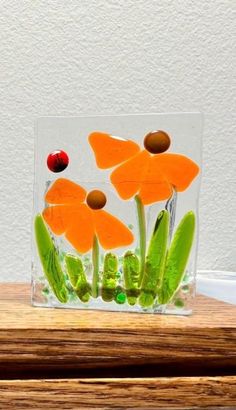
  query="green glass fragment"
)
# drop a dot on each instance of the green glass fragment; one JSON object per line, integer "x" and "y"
{"x": 155, "y": 260}
{"x": 77, "y": 277}
{"x": 109, "y": 277}
{"x": 177, "y": 258}
{"x": 120, "y": 296}
{"x": 179, "y": 303}
{"x": 131, "y": 268}
{"x": 50, "y": 260}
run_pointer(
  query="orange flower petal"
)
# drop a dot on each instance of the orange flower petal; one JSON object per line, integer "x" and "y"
{"x": 64, "y": 191}
{"x": 56, "y": 218}
{"x": 128, "y": 176}
{"x": 154, "y": 186}
{"x": 110, "y": 151}
{"x": 154, "y": 192}
{"x": 111, "y": 232}
{"x": 178, "y": 169}
{"x": 75, "y": 221}
{"x": 80, "y": 231}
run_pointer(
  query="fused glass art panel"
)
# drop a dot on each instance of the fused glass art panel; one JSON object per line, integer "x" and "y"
{"x": 115, "y": 223}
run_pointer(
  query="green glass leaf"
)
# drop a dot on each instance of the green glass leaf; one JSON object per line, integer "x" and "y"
{"x": 77, "y": 277}
{"x": 109, "y": 277}
{"x": 131, "y": 268}
{"x": 155, "y": 260}
{"x": 177, "y": 258}
{"x": 50, "y": 260}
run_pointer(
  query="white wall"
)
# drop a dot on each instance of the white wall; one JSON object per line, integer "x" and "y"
{"x": 68, "y": 57}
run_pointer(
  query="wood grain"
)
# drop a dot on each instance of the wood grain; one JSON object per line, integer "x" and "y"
{"x": 39, "y": 338}
{"x": 152, "y": 393}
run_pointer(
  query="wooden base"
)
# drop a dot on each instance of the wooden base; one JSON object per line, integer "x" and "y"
{"x": 150, "y": 393}
{"x": 104, "y": 360}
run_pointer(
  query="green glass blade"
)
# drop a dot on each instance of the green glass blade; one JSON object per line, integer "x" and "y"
{"x": 131, "y": 269}
{"x": 50, "y": 260}
{"x": 77, "y": 277}
{"x": 177, "y": 258}
{"x": 155, "y": 260}
{"x": 109, "y": 277}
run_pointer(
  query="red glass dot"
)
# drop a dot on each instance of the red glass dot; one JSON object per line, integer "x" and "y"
{"x": 57, "y": 161}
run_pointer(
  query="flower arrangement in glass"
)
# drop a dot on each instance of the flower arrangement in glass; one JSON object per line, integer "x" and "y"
{"x": 116, "y": 212}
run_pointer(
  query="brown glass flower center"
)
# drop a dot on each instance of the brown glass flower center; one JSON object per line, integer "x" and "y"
{"x": 157, "y": 142}
{"x": 96, "y": 199}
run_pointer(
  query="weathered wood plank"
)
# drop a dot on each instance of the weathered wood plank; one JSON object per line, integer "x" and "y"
{"x": 64, "y": 338}
{"x": 151, "y": 393}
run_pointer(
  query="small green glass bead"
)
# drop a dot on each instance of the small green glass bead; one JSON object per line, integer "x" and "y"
{"x": 121, "y": 298}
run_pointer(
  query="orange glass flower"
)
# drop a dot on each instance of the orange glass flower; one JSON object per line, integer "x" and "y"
{"x": 150, "y": 173}
{"x": 81, "y": 221}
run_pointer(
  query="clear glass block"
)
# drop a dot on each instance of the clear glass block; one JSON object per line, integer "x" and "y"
{"x": 115, "y": 223}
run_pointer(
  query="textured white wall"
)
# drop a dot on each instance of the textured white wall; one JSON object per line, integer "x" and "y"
{"x": 115, "y": 56}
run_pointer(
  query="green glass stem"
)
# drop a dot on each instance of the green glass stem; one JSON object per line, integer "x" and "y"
{"x": 95, "y": 258}
{"x": 109, "y": 277}
{"x": 77, "y": 277}
{"x": 142, "y": 235}
{"x": 131, "y": 271}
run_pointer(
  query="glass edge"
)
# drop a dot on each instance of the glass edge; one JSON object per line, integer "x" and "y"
{"x": 134, "y": 114}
